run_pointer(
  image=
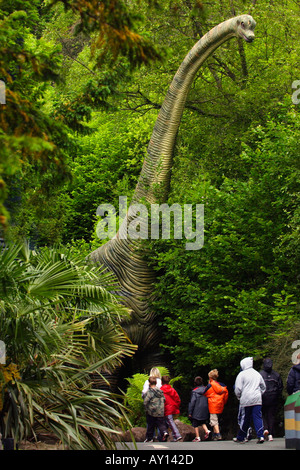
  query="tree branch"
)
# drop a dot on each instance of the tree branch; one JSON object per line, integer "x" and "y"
{"x": 147, "y": 105}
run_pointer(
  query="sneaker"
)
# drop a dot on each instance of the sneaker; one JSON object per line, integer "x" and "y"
{"x": 260, "y": 440}
{"x": 148, "y": 440}
{"x": 177, "y": 439}
{"x": 270, "y": 437}
{"x": 217, "y": 437}
{"x": 266, "y": 434}
{"x": 197, "y": 439}
{"x": 249, "y": 434}
{"x": 165, "y": 436}
{"x": 235, "y": 439}
{"x": 207, "y": 435}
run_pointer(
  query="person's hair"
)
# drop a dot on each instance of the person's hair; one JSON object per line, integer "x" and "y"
{"x": 165, "y": 379}
{"x": 213, "y": 374}
{"x": 198, "y": 381}
{"x": 154, "y": 372}
{"x": 152, "y": 380}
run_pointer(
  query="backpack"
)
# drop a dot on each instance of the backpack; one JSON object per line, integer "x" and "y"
{"x": 273, "y": 386}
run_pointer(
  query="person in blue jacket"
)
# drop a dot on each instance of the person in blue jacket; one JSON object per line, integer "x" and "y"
{"x": 198, "y": 409}
{"x": 293, "y": 380}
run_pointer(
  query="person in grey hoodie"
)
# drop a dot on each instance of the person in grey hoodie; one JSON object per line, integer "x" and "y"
{"x": 249, "y": 387}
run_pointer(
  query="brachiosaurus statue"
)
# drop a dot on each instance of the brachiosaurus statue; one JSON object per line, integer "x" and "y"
{"x": 124, "y": 256}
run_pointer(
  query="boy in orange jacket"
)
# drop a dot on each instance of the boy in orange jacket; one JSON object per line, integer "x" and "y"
{"x": 217, "y": 395}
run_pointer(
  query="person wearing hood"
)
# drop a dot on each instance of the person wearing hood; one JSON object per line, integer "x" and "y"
{"x": 154, "y": 402}
{"x": 293, "y": 380}
{"x": 198, "y": 408}
{"x": 172, "y": 404}
{"x": 249, "y": 387}
{"x": 270, "y": 398}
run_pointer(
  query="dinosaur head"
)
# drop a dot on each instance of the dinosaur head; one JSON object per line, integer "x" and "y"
{"x": 245, "y": 25}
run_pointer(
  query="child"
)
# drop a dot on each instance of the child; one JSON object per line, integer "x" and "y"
{"x": 154, "y": 372}
{"x": 198, "y": 409}
{"x": 217, "y": 395}
{"x": 172, "y": 404}
{"x": 154, "y": 402}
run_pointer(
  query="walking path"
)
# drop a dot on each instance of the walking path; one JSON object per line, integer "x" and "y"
{"x": 276, "y": 444}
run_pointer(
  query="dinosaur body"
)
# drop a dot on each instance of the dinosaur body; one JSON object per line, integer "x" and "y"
{"x": 124, "y": 256}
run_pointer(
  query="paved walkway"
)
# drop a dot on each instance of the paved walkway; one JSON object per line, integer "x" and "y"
{"x": 276, "y": 444}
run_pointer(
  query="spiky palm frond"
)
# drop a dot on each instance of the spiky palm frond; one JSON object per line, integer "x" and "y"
{"x": 59, "y": 318}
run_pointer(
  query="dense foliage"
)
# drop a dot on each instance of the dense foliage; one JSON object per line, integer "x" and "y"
{"x": 133, "y": 398}
{"x": 60, "y": 322}
{"x": 226, "y": 299}
{"x": 74, "y": 134}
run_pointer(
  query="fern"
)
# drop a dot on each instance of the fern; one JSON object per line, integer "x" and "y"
{"x": 133, "y": 396}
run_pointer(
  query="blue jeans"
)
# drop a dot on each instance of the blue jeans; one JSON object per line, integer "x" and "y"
{"x": 172, "y": 426}
{"x": 244, "y": 420}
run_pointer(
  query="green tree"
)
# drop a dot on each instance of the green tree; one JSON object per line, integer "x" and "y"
{"x": 27, "y": 134}
{"x": 226, "y": 299}
{"x": 29, "y": 63}
{"x": 114, "y": 22}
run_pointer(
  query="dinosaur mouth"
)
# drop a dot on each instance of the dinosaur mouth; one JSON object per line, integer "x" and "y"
{"x": 248, "y": 39}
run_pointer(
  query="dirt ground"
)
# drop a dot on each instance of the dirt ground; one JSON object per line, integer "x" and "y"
{"x": 27, "y": 445}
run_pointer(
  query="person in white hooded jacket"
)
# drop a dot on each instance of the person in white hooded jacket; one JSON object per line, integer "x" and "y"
{"x": 249, "y": 387}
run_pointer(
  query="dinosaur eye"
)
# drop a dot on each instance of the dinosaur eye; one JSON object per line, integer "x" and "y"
{"x": 243, "y": 24}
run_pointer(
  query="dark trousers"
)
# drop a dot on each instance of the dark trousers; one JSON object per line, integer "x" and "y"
{"x": 269, "y": 415}
{"x": 246, "y": 414}
{"x": 155, "y": 422}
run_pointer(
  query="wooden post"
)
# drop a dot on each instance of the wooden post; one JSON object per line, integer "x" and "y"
{"x": 290, "y": 420}
{"x": 297, "y": 421}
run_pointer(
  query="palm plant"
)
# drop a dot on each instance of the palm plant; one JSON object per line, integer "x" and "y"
{"x": 59, "y": 320}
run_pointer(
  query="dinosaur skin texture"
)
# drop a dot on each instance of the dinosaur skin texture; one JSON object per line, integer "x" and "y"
{"x": 125, "y": 257}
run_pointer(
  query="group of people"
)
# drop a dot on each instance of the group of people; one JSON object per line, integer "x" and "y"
{"x": 206, "y": 404}
{"x": 162, "y": 404}
{"x": 258, "y": 394}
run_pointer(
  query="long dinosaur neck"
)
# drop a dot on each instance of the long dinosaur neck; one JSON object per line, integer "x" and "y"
{"x": 154, "y": 180}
